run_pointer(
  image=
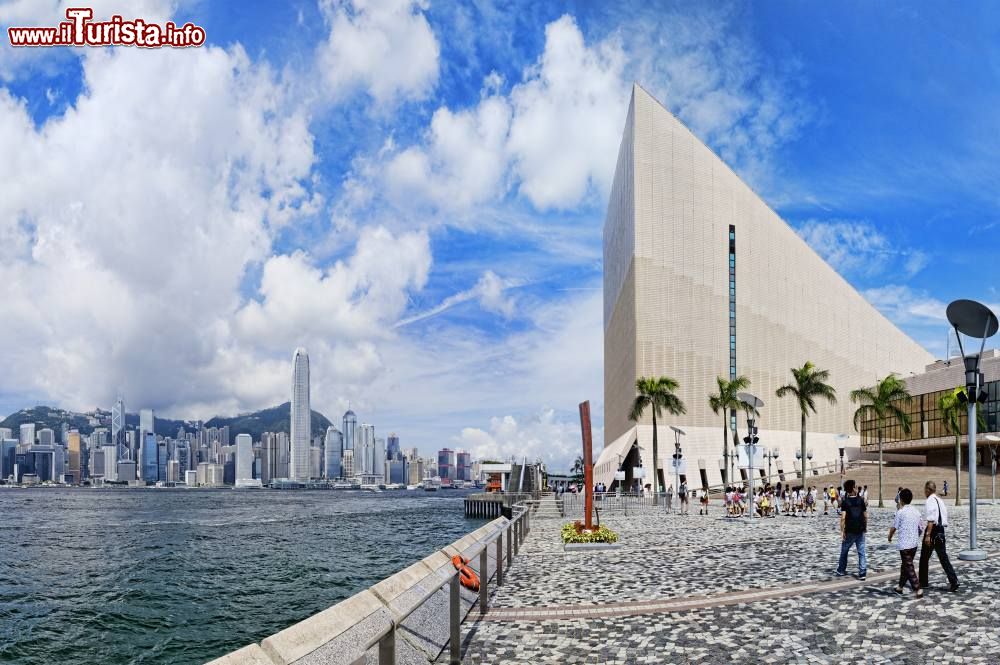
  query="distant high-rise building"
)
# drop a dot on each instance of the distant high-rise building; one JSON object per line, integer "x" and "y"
{"x": 347, "y": 464}
{"x": 463, "y": 466}
{"x": 350, "y": 430}
{"x": 27, "y": 436}
{"x": 379, "y": 464}
{"x": 126, "y": 471}
{"x": 412, "y": 454}
{"x": 149, "y": 452}
{"x": 244, "y": 461}
{"x": 397, "y": 471}
{"x": 392, "y": 447}
{"x": 8, "y": 456}
{"x": 162, "y": 457}
{"x": 6, "y": 433}
{"x": 182, "y": 453}
{"x": 173, "y": 471}
{"x": 118, "y": 427}
{"x": 301, "y": 417}
{"x": 147, "y": 422}
{"x": 47, "y": 437}
{"x": 333, "y": 454}
{"x": 315, "y": 462}
{"x": 73, "y": 446}
{"x": 110, "y": 469}
{"x": 446, "y": 464}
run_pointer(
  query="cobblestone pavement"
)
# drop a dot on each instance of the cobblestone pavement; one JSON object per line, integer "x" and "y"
{"x": 707, "y": 589}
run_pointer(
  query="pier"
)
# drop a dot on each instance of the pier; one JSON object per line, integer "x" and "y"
{"x": 495, "y": 504}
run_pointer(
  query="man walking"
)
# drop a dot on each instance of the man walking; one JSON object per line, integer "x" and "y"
{"x": 936, "y": 516}
{"x": 853, "y": 525}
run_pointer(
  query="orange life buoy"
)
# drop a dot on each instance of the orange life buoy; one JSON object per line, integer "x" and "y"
{"x": 466, "y": 576}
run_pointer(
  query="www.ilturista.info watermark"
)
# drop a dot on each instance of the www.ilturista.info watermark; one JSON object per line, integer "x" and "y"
{"x": 79, "y": 30}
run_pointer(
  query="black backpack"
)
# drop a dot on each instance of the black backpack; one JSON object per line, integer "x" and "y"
{"x": 854, "y": 507}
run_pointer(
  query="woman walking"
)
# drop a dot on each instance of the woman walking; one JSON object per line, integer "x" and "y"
{"x": 907, "y": 525}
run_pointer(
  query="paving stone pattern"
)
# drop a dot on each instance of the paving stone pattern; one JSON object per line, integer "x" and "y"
{"x": 668, "y": 597}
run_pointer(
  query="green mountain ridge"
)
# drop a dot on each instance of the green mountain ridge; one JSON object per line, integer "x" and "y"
{"x": 273, "y": 419}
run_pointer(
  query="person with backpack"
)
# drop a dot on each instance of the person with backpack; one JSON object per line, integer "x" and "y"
{"x": 853, "y": 526}
{"x": 936, "y": 516}
{"x": 907, "y": 525}
{"x": 682, "y": 494}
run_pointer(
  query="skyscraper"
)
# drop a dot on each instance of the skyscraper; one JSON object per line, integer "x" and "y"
{"x": 464, "y": 466}
{"x": 150, "y": 469}
{"x": 27, "y": 436}
{"x": 147, "y": 422}
{"x": 378, "y": 467}
{"x": 392, "y": 447}
{"x": 118, "y": 427}
{"x": 301, "y": 434}
{"x": 350, "y": 429}
{"x": 73, "y": 447}
{"x": 244, "y": 460}
{"x": 46, "y": 437}
{"x": 333, "y": 453}
{"x": 446, "y": 463}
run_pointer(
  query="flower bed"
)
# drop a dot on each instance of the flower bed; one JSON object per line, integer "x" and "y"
{"x": 575, "y": 533}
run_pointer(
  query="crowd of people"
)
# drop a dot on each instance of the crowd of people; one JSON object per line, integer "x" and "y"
{"x": 788, "y": 500}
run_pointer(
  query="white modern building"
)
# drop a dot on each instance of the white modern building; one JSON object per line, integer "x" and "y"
{"x": 301, "y": 425}
{"x": 147, "y": 421}
{"x": 27, "y": 435}
{"x": 244, "y": 462}
{"x": 703, "y": 280}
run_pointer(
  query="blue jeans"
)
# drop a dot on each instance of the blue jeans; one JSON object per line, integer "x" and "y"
{"x": 858, "y": 541}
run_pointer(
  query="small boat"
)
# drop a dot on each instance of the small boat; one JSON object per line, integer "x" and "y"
{"x": 370, "y": 488}
{"x": 431, "y": 485}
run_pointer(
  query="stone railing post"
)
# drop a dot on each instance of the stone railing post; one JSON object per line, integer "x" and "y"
{"x": 455, "y": 619}
{"x": 484, "y": 576}
{"x": 500, "y": 559}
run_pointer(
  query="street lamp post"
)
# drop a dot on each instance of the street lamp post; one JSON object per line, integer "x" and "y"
{"x": 979, "y": 322}
{"x": 770, "y": 454}
{"x": 753, "y": 404}
{"x": 809, "y": 456}
{"x": 678, "y": 432}
{"x": 840, "y": 438}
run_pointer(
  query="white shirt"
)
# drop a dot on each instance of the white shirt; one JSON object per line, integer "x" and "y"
{"x": 907, "y": 526}
{"x": 935, "y": 510}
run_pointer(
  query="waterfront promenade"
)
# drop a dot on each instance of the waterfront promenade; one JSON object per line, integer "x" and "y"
{"x": 706, "y": 589}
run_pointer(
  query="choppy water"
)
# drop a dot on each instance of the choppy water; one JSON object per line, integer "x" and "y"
{"x": 183, "y": 576}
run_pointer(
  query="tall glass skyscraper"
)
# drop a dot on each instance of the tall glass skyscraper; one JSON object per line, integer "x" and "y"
{"x": 350, "y": 429}
{"x": 392, "y": 447}
{"x": 333, "y": 448}
{"x": 301, "y": 426}
{"x": 150, "y": 459}
{"x": 118, "y": 428}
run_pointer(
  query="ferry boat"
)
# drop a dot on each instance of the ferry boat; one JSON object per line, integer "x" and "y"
{"x": 431, "y": 485}
{"x": 370, "y": 488}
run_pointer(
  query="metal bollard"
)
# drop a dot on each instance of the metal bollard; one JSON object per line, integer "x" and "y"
{"x": 456, "y": 623}
{"x": 500, "y": 559}
{"x": 387, "y": 648}
{"x": 484, "y": 576}
{"x": 517, "y": 538}
{"x": 510, "y": 544}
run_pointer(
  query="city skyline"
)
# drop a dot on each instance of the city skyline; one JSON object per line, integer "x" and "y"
{"x": 421, "y": 227}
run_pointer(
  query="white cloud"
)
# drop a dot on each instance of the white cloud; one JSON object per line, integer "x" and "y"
{"x": 906, "y": 306}
{"x": 385, "y": 47}
{"x": 490, "y": 291}
{"x": 133, "y": 217}
{"x": 463, "y": 162}
{"x": 859, "y": 248}
{"x": 542, "y": 436}
{"x": 568, "y": 118}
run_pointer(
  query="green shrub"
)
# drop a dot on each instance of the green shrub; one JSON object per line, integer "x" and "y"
{"x": 575, "y": 533}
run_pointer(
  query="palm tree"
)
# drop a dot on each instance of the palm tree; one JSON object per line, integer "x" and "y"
{"x": 656, "y": 394}
{"x": 883, "y": 405}
{"x": 577, "y": 466}
{"x": 725, "y": 401}
{"x": 810, "y": 383}
{"x": 952, "y": 411}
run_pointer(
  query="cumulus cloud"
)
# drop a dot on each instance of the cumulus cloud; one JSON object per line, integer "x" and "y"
{"x": 462, "y": 163}
{"x": 857, "y": 247}
{"x": 568, "y": 118}
{"x": 542, "y": 436}
{"x": 384, "y": 47}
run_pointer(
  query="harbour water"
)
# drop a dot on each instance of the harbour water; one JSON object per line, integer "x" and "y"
{"x": 183, "y": 576}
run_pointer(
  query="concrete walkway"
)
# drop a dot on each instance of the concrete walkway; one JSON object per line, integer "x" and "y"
{"x": 707, "y": 589}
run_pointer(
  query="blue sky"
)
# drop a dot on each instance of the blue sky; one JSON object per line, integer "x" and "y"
{"x": 415, "y": 192}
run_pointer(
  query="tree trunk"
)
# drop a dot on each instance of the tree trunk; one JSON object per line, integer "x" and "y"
{"x": 656, "y": 453}
{"x": 880, "y": 503}
{"x": 958, "y": 470}
{"x": 803, "y": 448}
{"x": 725, "y": 449}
